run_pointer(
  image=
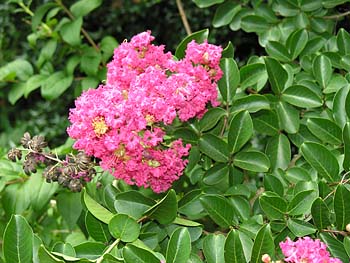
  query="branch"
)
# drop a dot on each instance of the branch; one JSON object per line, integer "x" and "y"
{"x": 337, "y": 15}
{"x": 183, "y": 17}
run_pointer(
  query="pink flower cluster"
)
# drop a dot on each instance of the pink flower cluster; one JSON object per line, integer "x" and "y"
{"x": 306, "y": 250}
{"x": 122, "y": 122}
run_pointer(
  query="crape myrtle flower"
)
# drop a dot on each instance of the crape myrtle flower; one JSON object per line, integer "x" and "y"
{"x": 122, "y": 122}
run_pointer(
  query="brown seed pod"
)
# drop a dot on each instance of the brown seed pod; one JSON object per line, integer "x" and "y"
{"x": 14, "y": 154}
{"x": 26, "y": 139}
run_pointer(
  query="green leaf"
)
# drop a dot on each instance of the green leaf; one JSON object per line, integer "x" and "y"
{"x": 211, "y": 118}
{"x": 252, "y": 103}
{"x": 233, "y": 249}
{"x": 296, "y": 42}
{"x": 321, "y": 159}
{"x": 241, "y": 206}
{"x": 133, "y": 254}
{"x": 55, "y": 85}
{"x": 273, "y": 183}
{"x": 322, "y": 70}
{"x": 40, "y": 13}
{"x": 132, "y": 203}
{"x": 266, "y": 122}
{"x": 124, "y": 227}
{"x": 320, "y": 214}
{"x": 65, "y": 249}
{"x": 279, "y": 152}
{"x": 240, "y": 131}
{"x": 254, "y": 23}
{"x": 263, "y": 244}
{"x": 185, "y": 222}
{"x": 326, "y": 130}
{"x": 251, "y": 74}
{"x": 213, "y": 248}
{"x": 18, "y": 68}
{"x": 346, "y": 243}
{"x": 179, "y": 246}
{"x": 296, "y": 174}
{"x": 90, "y": 61}
{"x": 96, "y": 229}
{"x": 70, "y": 31}
{"x": 165, "y": 211}
{"x": 278, "y": 76}
{"x": 342, "y": 206}
{"x": 339, "y": 104}
{"x": 229, "y": 51}
{"x": 90, "y": 250}
{"x": 278, "y": 51}
{"x": 190, "y": 204}
{"x": 346, "y": 140}
{"x": 33, "y": 83}
{"x": 214, "y": 147}
{"x": 46, "y": 256}
{"x": 198, "y": 36}
{"x": 274, "y": 206}
{"x": 84, "y": 7}
{"x": 288, "y": 117}
{"x": 18, "y": 240}
{"x": 313, "y": 46}
{"x": 252, "y": 161}
{"x": 216, "y": 174}
{"x": 16, "y": 92}
{"x": 301, "y": 202}
{"x": 96, "y": 209}
{"x": 300, "y": 228}
{"x": 301, "y": 96}
{"x": 207, "y": 3}
{"x": 343, "y": 39}
{"x": 69, "y": 206}
{"x": 107, "y": 46}
{"x": 335, "y": 247}
{"x": 225, "y": 13}
{"x": 230, "y": 80}
{"x": 219, "y": 209}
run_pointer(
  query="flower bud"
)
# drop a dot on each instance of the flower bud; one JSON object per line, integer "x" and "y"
{"x": 266, "y": 258}
{"x": 64, "y": 180}
{"x": 14, "y": 154}
{"x": 75, "y": 185}
{"x": 26, "y": 139}
{"x": 347, "y": 227}
{"x": 37, "y": 143}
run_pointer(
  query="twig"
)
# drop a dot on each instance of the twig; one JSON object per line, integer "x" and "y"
{"x": 337, "y": 15}
{"x": 183, "y": 17}
{"x": 343, "y": 233}
{"x": 109, "y": 249}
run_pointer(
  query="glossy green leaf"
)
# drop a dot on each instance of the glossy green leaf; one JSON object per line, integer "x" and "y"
{"x": 89, "y": 250}
{"x": 213, "y": 248}
{"x": 33, "y": 83}
{"x": 64, "y": 249}
{"x": 342, "y": 206}
{"x": 233, "y": 249}
{"x": 40, "y": 12}
{"x": 225, "y": 13}
{"x": 46, "y": 256}
{"x": 219, "y": 209}
{"x": 343, "y": 39}
{"x": 84, "y": 7}
{"x": 16, "y": 92}
{"x": 322, "y": 159}
{"x": 90, "y": 61}
{"x": 133, "y": 254}
{"x": 18, "y": 240}
{"x": 273, "y": 184}
{"x": 296, "y": 174}
{"x": 69, "y": 206}
{"x": 132, "y": 203}
{"x": 279, "y": 152}
{"x": 207, "y": 3}
{"x": 301, "y": 96}
{"x": 278, "y": 51}
{"x": 240, "y": 131}
{"x": 326, "y": 130}
{"x": 107, "y": 45}
{"x": 241, "y": 206}
{"x": 274, "y": 206}
{"x": 266, "y": 122}
{"x": 254, "y": 23}
{"x": 70, "y": 31}
{"x": 198, "y": 36}
{"x": 263, "y": 244}
{"x": 301, "y": 202}
{"x": 278, "y": 76}
{"x": 335, "y": 247}
{"x": 216, "y": 173}
{"x": 339, "y": 104}
{"x": 303, "y": 135}
{"x": 252, "y": 161}
{"x": 313, "y": 46}
{"x": 320, "y": 214}
{"x": 55, "y": 85}
{"x": 96, "y": 209}
{"x": 179, "y": 246}
{"x": 211, "y": 118}
{"x": 214, "y": 147}
{"x": 96, "y": 229}
{"x": 322, "y": 70}
{"x": 190, "y": 204}
{"x": 19, "y": 68}
{"x": 124, "y": 227}
{"x": 229, "y": 51}
{"x": 300, "y": 228}
{"x": 230, "y": 80}
{"x": 346, "y": 140}
{"x": 288, "y": 117}
{"x": 185, "y": 222}
{"x": 297, "y": 42}
{"x": 346, "y": 243}
{"x": 252, "y": 103}
{"x": 165, "y": 210}
{"x": 251, "y": 74}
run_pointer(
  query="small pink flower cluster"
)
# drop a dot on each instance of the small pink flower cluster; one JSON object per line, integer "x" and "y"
{"x": 306, "y": 250}
{"x": 122, "y": 122}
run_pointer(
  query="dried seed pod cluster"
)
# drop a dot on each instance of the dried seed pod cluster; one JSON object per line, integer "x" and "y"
{"x": 72, "y": 172}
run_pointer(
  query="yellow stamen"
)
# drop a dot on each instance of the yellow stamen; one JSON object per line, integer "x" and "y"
{"x": 100, "y": 126}
{"x": 149, "y": 119}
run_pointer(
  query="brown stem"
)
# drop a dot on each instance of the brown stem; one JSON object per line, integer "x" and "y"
{"x": 337, "y": 15}
{"x": 343, "y": 233}
{"x": 183, "y": 17}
